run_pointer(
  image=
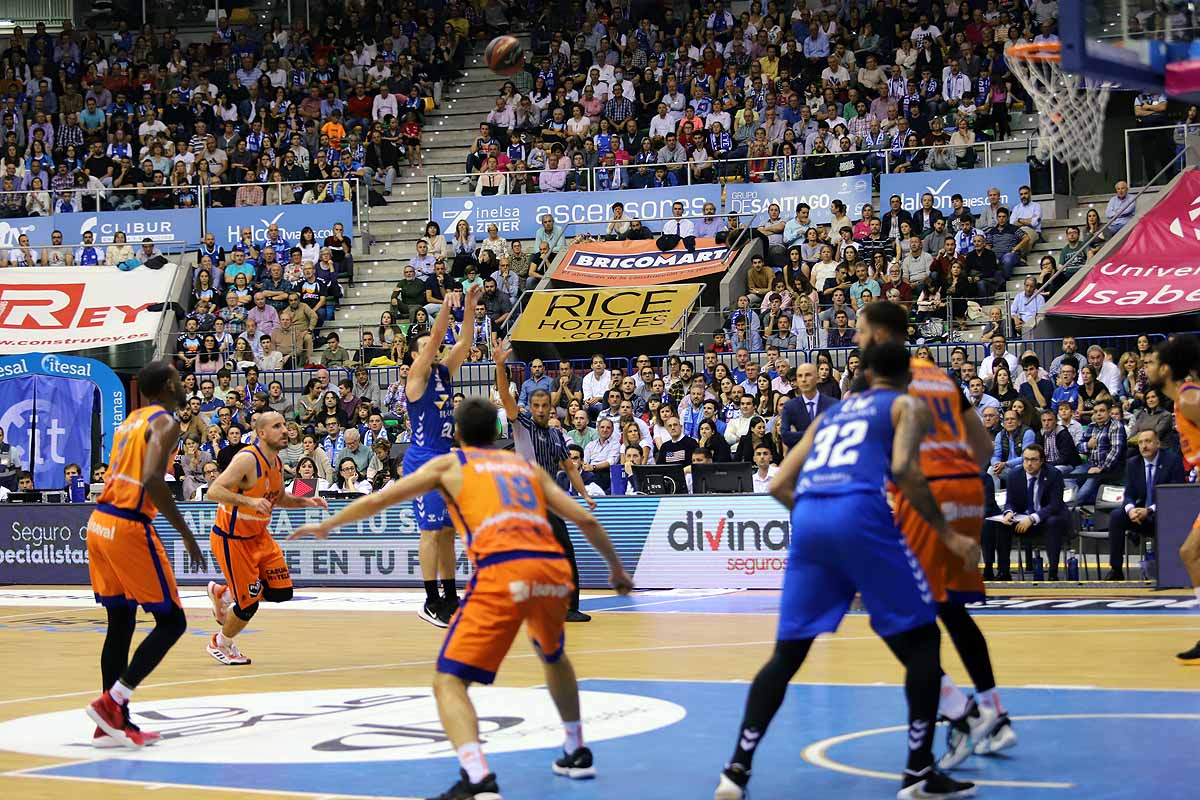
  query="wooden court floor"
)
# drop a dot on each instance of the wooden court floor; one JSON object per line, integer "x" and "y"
{"x": 51, "y": 660}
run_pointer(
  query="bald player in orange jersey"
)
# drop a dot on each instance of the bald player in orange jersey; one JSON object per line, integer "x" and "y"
{"x": 1171, "y": 368}
{"x": 498, "y": 502}
{"x": 247, "y": 491}
{"x": 953, "y": 456}
{"x": 127, "y": 563}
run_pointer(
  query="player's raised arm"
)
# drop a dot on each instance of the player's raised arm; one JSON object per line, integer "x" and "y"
{"x": 418, "y": 373}
{"x": 426, "y": 479}
{"x": 503, "y": 386}
{"x": 160, "y": 447}
{"x": 561, "y": 504}
{"x": 462, "y": 346}
{"x": 783, "y": 485}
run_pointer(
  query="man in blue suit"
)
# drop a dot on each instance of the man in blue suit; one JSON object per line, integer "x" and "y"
{"x": 808, "y": 404}
{"x": 1035, "y": 492}
{"x": 1152, "y": 467}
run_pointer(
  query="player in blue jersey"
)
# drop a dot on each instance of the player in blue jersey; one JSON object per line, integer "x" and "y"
{"x": 429, "y": 391}
{"x": 843, "y": 541}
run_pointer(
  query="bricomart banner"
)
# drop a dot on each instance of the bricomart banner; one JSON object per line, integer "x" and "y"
{"x": 638, "y": 263}
{"x": 729, "y": 541}
{"x": 576, "y": 315}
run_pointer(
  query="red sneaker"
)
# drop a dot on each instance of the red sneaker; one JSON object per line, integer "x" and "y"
{"x": 216, "y": 594}
{"x": 110, "y": 718}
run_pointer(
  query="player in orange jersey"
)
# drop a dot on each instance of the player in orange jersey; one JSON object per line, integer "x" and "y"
{"x": 126, "y": 561}
{"x": 246, "y": 492}
{"x": 952, "y": 457}
{"x": 498, "y": 502}
{"x": 1171, "y": 368}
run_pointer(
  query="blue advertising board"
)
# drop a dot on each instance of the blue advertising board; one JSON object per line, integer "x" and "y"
{"x": 755, "y": 198}
{"x": 684, "y": 541}
{"x": 972, "y": 184}
{"x": 517, "y": 216}
{"x": 224, "y": 223}
{"x": 167, "y": 225}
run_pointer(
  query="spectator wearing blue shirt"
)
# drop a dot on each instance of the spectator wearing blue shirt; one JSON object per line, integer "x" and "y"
{"x": 1067, "y": 390}
{"x": 238, "y": 266}
{"x": 1010, "y": 443}
{"x": 1043, "y": 397}
{"x": 538, "y": 379}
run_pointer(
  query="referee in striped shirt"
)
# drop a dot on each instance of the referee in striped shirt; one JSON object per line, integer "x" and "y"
{"x": 536, "y": 441}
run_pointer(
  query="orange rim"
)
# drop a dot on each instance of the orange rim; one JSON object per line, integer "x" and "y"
{"x": 1036, "y": 51}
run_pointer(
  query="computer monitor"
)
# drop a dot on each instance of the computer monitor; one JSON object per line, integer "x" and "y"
{"x": 660, "y": 478}
{"x": 25, "y": 497}
{"x": 736, "y": 477}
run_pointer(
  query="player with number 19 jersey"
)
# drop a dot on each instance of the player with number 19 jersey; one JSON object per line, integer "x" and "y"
{"x": 844, "y": 537}
{"x": 956, "y": 483}
{"x": 432, "y": 421}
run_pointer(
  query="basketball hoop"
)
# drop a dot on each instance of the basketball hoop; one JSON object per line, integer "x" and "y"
{"x": 1070, "y": 108}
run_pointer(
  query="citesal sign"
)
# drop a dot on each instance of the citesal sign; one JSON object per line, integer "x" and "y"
{"x": 57, "y": 309}
{"x": 577, "y": 315}
{"x": 638, "y": 263}
{"x": 339, "y": 725}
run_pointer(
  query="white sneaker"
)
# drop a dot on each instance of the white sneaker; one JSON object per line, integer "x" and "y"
{"x": 216, "y": 593}
{"x": 1001, "y": 737}
{"x": 229, "y": 655}
{"x": 728, "y": 789}
{"x": 966, "y": 734}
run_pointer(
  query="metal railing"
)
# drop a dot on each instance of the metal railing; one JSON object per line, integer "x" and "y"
{"x": 769, "y": 168}
{"x": 67, "y": 255}
{"x": 46, "y": 202}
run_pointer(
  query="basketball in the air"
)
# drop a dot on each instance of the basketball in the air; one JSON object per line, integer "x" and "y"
{"x": 504, "y": 55}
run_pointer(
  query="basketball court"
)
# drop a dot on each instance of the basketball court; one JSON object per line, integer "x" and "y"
{"x": 337, "y": 702}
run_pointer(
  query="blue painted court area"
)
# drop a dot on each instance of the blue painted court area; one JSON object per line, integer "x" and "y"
{"x": 1122, "y": 745}
{"x": 767, "y": 602}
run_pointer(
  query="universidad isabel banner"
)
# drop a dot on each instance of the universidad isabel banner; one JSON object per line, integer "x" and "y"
{"x": 720, "y": 541}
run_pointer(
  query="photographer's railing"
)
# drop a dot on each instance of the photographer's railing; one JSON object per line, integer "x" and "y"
{"x": 64, "y": 255}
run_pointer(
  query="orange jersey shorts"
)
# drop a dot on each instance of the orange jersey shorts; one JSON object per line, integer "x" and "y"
{"x": 961, "y": 500}
{"x": 250, "y": 565}
{"x": 503, "y": 593}
{"x": 127, "y": 563}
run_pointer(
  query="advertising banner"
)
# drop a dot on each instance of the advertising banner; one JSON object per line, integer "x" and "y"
{"x": 573, "y": 315}
{"x": 95, "y": 374}
{"x": 48, "y": 422}
{"x": 726, "y": 541}
{"x": 57, "y": 309}
{"x": 755, "y": 198}
{"x": 518, "y": 216}
{"x": 1155, "y": 269}
{"x": 224, "y": 223}
{"x": 166, "y": 225}
{"x": 638, "y": 263}
{"x": 972, "y": 184}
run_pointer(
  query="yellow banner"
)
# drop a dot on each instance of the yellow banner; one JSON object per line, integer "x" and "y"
{"x": 578, "y": 315}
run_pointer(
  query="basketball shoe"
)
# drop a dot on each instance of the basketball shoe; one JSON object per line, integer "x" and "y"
{"x": 1002, "y": 737}
{"x": 486, "y": 789}
{"x": 220, "y": 607}
{"x": 732, "y": 783}
{"x": 431, "y": 612}
{"x": 229, "y": 654}
{"x": 1190, "y": 658}
{"x": 110, "y": 718}
{"x": 101, "y": 740}
{"x": 929, "y": 784}
{"x": 967, "y": 733}
{"x": 576, "y": 766}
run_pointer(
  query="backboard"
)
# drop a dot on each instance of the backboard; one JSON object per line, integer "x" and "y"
{"x": 1126, "y": 42}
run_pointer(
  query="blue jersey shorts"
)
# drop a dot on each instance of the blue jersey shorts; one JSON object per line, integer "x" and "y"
{"x": 429, "y": 508}
{"x": 846, "y": 544}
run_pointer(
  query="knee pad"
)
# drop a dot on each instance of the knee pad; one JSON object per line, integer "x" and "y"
{"x": 277, "y": 595}
{"x": 245, "y": 614}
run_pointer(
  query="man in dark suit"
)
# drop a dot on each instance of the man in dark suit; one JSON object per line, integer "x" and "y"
{"x": 1035, "y": 493}
{"x": 799, "y": 412}
{"x": 1152, "y": 467}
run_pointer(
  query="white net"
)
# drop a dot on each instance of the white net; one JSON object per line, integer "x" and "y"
{"x": 1070, "y": 108}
